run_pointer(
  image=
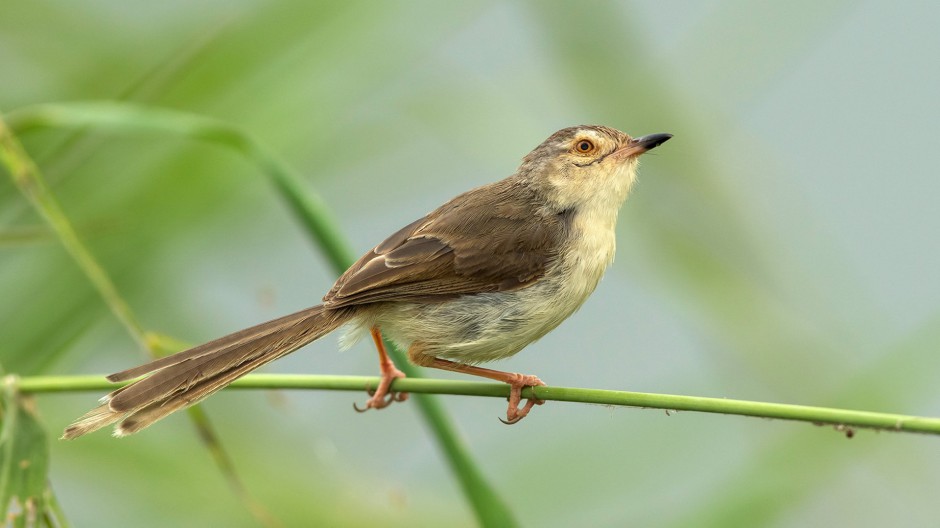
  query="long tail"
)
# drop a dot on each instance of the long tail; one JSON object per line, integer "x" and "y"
{"x": 178, "y": 381}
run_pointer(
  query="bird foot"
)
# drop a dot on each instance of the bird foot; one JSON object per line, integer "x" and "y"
{"x": 382, "y": 397}
{"x": 518, "y": 382}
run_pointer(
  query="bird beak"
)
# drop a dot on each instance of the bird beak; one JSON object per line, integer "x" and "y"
{"x": 637, "y": 146}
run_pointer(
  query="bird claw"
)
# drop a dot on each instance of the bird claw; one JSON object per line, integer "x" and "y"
{"x": 381, "y": 396}
{"x": 515, "y": 413}
{"x": 381, "y": 403}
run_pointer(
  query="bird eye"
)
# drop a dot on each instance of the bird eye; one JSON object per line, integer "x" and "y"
{"x": 585, "y": 146}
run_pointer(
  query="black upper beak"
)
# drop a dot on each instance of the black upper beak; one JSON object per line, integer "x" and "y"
{"x": 639, "y": 145}
{"x": 651, "y": 141}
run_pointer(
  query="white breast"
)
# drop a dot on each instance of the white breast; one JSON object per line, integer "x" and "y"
{"x": 489, "y": 326}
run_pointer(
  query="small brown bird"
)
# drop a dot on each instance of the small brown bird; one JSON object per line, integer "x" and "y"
{"x": 475, "y": 280}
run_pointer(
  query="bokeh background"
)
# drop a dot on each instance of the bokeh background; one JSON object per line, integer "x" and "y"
{"x": 782, "y": 247}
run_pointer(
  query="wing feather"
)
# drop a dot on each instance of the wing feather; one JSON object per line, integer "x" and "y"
{"x": 471, "y": 244}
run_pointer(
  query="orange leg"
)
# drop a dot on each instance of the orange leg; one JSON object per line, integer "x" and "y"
{"x": 382, "y": 397}
{"x": 516, "y": 381}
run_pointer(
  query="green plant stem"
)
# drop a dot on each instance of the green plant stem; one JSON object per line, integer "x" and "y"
{"x": 307, "y": 205}
{"x": 29, "y": 180}
{"x": 313, "y": 214}
{"x": 669, "y": 402}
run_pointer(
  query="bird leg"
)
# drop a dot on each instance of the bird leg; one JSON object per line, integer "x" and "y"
{"x": 517, "y": 382}
{"x": 382, "y": 397}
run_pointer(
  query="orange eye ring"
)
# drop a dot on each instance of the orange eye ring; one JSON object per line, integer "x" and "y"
{"x": 584, "y": 146}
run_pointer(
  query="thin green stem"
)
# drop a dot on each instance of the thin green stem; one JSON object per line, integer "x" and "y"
{"x": 29, "y": 180}
{"x": 307, "y": 205}
{"x": 845, "y": 419}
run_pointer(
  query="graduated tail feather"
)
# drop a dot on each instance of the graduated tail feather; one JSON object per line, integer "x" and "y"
{"x": 178, "y": 381}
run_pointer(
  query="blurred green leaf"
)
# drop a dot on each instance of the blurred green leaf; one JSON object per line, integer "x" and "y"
{"x": 25, "y": 235}
{"x": 24, "y": 460}
{"x": 27, "y": 177}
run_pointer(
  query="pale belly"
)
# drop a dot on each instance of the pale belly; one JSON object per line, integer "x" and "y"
{"x": 484, "y": 327}
{"x": 489, "y": 326}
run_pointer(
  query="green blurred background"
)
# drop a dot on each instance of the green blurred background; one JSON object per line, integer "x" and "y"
{"x": 782, "y": 247}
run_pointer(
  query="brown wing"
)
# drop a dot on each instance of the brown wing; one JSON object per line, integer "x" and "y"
{"x": 492, "y": 238}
